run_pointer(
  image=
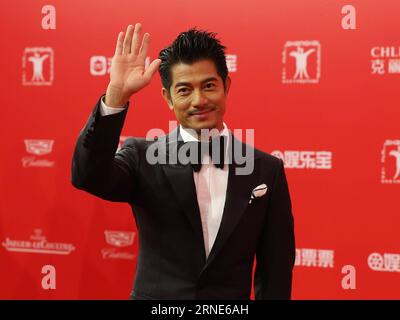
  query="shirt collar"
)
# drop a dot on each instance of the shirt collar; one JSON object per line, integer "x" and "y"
{"x": 189, "y": 134}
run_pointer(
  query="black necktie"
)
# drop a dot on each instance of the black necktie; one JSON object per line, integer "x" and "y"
{"x": 218, "y": 145}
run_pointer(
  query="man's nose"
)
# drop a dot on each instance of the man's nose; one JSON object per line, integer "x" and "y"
{"x": 199, "y": 99}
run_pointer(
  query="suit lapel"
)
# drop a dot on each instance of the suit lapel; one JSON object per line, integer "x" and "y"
{"x": 237, "y": 199}
{"x": 180, "y": 178}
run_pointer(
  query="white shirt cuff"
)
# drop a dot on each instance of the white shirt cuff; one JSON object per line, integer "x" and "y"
{"x": 105, "y": 110}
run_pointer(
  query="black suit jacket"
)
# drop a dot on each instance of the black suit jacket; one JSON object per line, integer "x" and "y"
{"x": 171, "y": 261}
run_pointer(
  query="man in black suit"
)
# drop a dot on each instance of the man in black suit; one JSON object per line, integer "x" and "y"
{"x": 203, "y": 218}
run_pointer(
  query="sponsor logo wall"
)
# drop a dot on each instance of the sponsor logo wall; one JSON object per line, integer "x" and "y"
{"x": 321, "y": 94}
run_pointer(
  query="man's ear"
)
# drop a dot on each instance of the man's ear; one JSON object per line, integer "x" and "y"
{"x": 227, "y": 84}
{"x": 167, "y": 97}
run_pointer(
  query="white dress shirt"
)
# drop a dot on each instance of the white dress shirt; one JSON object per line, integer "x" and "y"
{"x": 211, "y": 185}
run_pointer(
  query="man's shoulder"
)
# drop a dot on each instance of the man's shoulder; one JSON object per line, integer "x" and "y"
{"x": 267, "y": 156}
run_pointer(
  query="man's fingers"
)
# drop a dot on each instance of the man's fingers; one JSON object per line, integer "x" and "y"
{"x": 151, "y": 69}
{"x": 128, "y": 40}
{"x": 145, "y": 46}
{"x": 119, "y": 46}
{"x": 136, "y": 38}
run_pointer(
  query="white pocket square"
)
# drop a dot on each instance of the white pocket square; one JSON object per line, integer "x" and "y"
{"x": 258, "y": 192}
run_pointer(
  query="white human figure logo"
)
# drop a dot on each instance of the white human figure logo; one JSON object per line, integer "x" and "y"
{"x": 301, "y": 62}
{"x": 37, "y": 62}
{"x": 396, "y": 154}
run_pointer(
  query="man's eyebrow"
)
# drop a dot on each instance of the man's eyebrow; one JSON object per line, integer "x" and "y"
{"x": 179, "y": 84}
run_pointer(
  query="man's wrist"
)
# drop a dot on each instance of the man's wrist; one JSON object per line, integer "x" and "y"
{"x": 107, "y": 110}
{"x": 114, "y": 98}
{"x": 118, "y": 107}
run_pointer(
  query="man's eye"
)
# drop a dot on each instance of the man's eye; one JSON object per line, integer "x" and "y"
{"x": 183, "y": 90}
{"x": 210, "y": 85}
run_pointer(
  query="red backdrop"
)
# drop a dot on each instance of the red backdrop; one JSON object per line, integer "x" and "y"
{"x": 333, "y": 118}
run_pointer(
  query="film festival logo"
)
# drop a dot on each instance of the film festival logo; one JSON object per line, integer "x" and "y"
{"x": 390, "y": 159}
{"x": 38, "y": 243}
{"x": 385, "y": 60}
{"x": 301, "y": 62}
{"x": 38, "y": 66}
{"x": 38, "y": 148}
{"x": 293, "y": 159}
{"x": 118, "y": 240}
{"x": 388, "y": 262}
{"x": 100, "y": 65}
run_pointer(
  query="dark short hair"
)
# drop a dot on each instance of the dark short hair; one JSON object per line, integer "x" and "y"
{"x": 189, "y": 47}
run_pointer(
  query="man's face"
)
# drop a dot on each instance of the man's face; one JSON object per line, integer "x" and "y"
{"x": 197, "y": 95}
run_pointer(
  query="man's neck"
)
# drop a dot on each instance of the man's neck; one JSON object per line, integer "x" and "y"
{"x": 206, "y": 132}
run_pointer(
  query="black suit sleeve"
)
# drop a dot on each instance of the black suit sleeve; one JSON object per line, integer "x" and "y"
{"x": 276, "y": 249}
{"x": 96, "y": 167}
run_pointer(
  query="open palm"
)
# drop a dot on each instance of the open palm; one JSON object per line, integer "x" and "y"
{"x": 128, "y": 73}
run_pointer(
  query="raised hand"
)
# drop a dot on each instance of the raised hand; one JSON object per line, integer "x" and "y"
{"x": 128, "y": 74}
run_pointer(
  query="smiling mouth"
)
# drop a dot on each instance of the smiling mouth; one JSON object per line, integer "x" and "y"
{"x": 201, "y": 112}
